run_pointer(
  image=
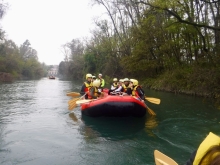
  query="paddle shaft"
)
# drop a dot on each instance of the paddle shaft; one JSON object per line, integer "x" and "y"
{"x": 150, "y": 111}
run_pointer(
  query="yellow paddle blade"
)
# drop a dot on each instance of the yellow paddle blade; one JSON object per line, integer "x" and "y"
{"x": 73, "y": 100}
{"x": 150, "y": 111}
{"x": 162, "y": 159}
{"x": 72, "y": 106}
{"x": 73, "y": 94}
{"x": 153, "y": 100}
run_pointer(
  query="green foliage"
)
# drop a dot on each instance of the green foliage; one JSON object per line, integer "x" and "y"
{"x": 90, "y": 62}
{"x": 13, "y": 62}
{"x": 165, "y": 44}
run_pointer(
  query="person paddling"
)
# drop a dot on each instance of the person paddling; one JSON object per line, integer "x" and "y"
{"x": 93, "y": 91}
{"x": 126, "y": 87}
{"x": 86, "y": 85}
{"x": 93, "y": 78}
{"x": 120, "y": 88}
{"x": 102, "y": 81}
{"x": 114, "y": 86}
{"x": 137, "y": 90}
{"x": 208, "y": 152}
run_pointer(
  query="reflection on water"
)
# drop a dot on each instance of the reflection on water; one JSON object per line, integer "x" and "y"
{"x": 150, "y": 124}
{"x": 116, "y": 128}
{"x": 112, "y": 127}
{"x": 73, "y": 117}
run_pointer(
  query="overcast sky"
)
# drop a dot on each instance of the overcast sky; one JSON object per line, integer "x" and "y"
{"x": 48, "y": 24}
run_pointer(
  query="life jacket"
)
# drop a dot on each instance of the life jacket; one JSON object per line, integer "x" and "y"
{"x": 102, "y": 82}
{"x": 96, "y": 93}
{"x": 134, "y": 91}
{"x": 115, "y": 85}
{"x": 88, "y": 86}
{"x": 125, "y": 87}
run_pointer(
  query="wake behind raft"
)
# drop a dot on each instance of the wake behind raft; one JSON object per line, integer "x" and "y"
{"x": 114, "y": 106}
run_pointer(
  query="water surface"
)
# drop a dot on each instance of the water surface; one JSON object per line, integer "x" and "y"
{"x": 36, "y": 127}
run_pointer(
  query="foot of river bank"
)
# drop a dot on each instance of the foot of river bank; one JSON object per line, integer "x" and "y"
{"x": 203, "y": 82}
{"x": 5, "y": 77}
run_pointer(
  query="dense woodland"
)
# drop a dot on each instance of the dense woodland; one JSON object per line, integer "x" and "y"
{"x": 171, "y": 45}
{"x": 18, "y": 62}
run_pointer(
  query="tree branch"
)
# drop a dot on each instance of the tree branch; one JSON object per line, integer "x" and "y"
{"x": 173, "y": 13}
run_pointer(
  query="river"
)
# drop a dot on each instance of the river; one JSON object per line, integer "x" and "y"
{"x": 36, "y": 127}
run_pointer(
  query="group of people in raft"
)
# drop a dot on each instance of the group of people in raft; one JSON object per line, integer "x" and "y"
{"x": 92, "y": 88}
{"x": 208, "y": 152}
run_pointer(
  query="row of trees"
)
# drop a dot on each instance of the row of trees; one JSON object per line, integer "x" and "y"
{"x": 169, "y": 44}
{"x": 20, "y": 62}
{"x": 148, "y": 37}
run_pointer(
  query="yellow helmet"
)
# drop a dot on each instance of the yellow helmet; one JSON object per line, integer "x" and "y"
{"x": 96, "y": 83}
{"x": 134, "y": 81}
{"x": 115, "y": 79}
{"x": 88, "y": 75}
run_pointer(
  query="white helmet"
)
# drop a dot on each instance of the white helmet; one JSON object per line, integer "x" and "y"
{"x": 126, "y": 79}
{"x": 115, "y": 79}
{"x": 96, "y": 83}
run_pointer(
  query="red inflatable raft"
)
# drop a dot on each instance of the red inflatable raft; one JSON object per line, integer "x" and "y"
{"x": 117, "y": 106}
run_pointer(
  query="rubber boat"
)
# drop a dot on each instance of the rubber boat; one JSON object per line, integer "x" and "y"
{"x": 114, "y": 106}
{"x": 51, "y": 77}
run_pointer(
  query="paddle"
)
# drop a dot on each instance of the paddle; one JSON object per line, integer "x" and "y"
{"x": 72, "y": 103}
{"x": 153, "y": 100}
{"x": 73, "y": 94}
{"x": 83, "y": 101}
{"x": 162, "y": 159}
{"x": 150, "y": 111}
{"x": 72, "y": 106}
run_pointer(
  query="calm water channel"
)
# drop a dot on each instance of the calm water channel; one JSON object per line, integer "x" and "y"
{"x": 36, "y": 127}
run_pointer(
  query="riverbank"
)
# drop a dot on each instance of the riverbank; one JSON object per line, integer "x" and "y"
{"x": 6, "y": 77}
{"x": 192, "y": 81}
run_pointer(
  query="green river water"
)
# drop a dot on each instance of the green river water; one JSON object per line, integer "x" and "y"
{"x": 36, "y": 128}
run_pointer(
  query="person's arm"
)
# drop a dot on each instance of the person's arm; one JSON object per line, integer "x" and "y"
{"x": 118, "y": 89}
{"x": 112, "y": 87}
{"x": 140, "y": 93}
{"x": 82, "y": 91}
{"x": 91, "y": 93}
{"x": 192, "y": 158}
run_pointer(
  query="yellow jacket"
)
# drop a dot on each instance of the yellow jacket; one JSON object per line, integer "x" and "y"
{"x": 208, "y": 142}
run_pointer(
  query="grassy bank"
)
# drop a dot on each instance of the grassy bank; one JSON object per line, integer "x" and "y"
{"x": 193, "y": 81}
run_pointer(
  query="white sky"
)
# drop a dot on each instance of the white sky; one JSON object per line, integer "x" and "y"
{"x": 48, "y": 24}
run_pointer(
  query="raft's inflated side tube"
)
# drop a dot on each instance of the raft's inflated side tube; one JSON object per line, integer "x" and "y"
{"x": 117, "y": 106}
